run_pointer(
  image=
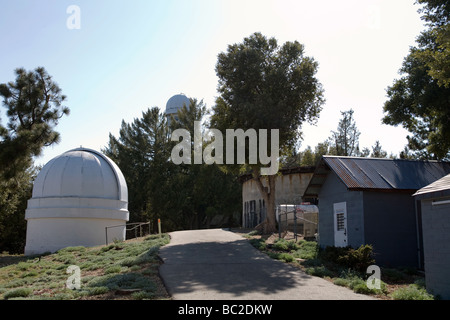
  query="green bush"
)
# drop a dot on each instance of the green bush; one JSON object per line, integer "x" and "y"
{"x": 95, "y": 291}
{"x": 319, "y": 271}
{"x": 142, "y": 295}
{"x": 355, "y": 281}
{"x": 412, "y": 292}
{"x": 306, "y": 250}
{"x": 341, "y": 282}
{"x": 280, "y": 245}
{"x": 285, "y": 257}
{"x": 113, "y": 269}
{"x": 16, "y": 293}
{"x": 259, "y": 244}
{"x": 358, "y": 259}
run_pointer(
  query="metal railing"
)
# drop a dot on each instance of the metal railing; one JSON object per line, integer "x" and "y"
{"x": 136, "y": 226}
{"x": 295, "y": 223}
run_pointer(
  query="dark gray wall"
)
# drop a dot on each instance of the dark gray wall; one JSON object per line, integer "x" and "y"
{"x": 436, "y": 243}
{"x": 333, "y": 191}
{"x": 390, "y": 226}
{"x": 385, "y": 220}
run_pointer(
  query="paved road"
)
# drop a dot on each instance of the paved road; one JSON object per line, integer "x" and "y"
{"x": 217, "y": 264}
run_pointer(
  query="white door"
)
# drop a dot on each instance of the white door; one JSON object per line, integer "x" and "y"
{"x": 340, "y": 224}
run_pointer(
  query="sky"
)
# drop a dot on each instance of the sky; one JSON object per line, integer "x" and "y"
{"x": 124, "y": 57}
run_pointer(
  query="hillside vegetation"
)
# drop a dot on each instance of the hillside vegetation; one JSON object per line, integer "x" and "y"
{"x": 121, "y": 270}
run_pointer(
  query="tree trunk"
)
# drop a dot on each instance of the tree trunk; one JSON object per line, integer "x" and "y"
{"x": 269, "y": 225}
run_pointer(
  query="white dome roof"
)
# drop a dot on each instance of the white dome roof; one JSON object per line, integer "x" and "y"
{"x": 176, "y": 102}
{"x": 82, "y": 173}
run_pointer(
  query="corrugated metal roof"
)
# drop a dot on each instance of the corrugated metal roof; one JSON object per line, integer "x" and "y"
{"x": 375, "y": 173}
{"x": 438, "y": 186}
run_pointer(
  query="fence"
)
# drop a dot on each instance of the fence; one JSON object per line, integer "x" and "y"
{"x": 253, "y": 215}
{"x": 301, "y": 220}
{"x": 136, "y": 228}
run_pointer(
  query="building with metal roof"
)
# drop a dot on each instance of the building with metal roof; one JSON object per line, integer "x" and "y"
{"x": 369, "y": 201}
{"x": 433, "y": 210}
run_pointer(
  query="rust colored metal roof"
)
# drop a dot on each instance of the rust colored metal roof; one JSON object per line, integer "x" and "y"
{"x": 374, "y": 173}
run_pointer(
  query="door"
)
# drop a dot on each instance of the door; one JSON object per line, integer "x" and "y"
{"x": 340, "y": 224}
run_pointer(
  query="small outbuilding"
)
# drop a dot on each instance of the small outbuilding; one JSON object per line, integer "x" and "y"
{"x": 80, "y": 198}
{"x": 289, "y": 186}
{"x": 369, "y": 201}
{"x": 433, "y": 208}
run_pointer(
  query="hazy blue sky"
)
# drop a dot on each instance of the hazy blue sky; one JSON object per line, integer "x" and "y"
{"x": 128, "y": 56}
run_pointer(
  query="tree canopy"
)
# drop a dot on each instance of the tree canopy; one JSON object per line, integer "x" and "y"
{"x": 263, "y": 85}
{"x": 34, "y": 106}
{"x": 345, "y": 140}
{"x": 420, "y": 99}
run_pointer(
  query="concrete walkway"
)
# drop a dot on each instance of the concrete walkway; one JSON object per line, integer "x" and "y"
{"x": 217, "y": 264}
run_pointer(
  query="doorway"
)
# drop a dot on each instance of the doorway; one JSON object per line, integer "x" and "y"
{"x": 340, "y": 224}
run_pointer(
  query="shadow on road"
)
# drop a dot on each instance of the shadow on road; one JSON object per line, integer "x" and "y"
{"x": 234, "y": 267}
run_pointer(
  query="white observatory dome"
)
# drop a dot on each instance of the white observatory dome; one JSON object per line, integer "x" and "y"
{"x": 176, "y": 102}
{"x": 80, "y": 198}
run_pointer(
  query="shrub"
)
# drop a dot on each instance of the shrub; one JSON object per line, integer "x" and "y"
{"x": 124, "y": 281}
{"x": 412, "y": 292}
{"x": 280, "y": 245}
{"x": 72, "y": 249}
{"x": 285, "y": 257}
{"x": 306, "y": 250}
{"x": 332, "y": 254}
{"x": 142, "y": 295}
{"x": 259, "y": 244}
{"x": 23, "y": 266}
{"x": 319, "y": 271}
{"x": 358, "y": 259}
{"x": 355, "y": 281}
{"x": 95, "y": 291}
{"x": 16, "y": 293}
{"x": 113, "y": 269}
{"x": 341, "y": 282}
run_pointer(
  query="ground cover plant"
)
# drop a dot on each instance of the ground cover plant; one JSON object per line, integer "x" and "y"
{"x": 343, "y": 266}
{"x": 121, "y": 270}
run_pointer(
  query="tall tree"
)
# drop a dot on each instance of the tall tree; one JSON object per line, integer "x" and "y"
{"x": 14, "y": 193}
{"x": 183, "y": 196}
{"x": 266, "y": 86}
{"x": 142, "y": 151}
{"x": 377, "y": 151}
{"x": 34, "y": 107}
{"x": 419, "y": 100}
{"x": 345, "y": 141}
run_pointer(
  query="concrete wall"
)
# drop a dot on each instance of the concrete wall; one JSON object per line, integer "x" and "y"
{"x": 390, "y": 226}
{"x": 334, "y": 191}
{"x": 436, "y": 242}
{"x": 288, "y": 190}
{"x": 52, "y": 234}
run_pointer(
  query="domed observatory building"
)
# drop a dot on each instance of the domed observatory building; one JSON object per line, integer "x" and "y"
{"x": 174, "y": 104}
{"x": 76, "y": 196}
